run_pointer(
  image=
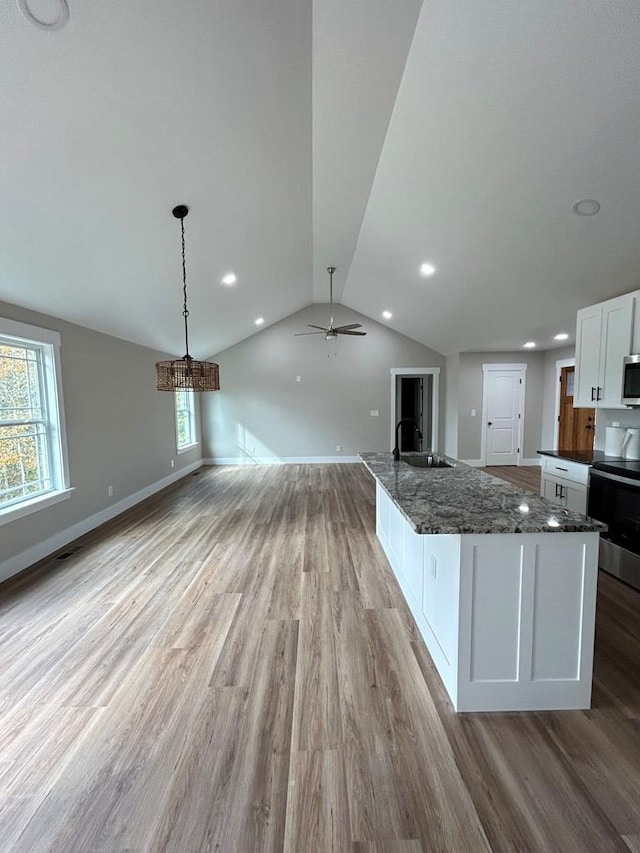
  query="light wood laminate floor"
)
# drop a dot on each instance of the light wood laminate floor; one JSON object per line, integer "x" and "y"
{"x": 230, "y": 666}
{"x": 524, "y": 476}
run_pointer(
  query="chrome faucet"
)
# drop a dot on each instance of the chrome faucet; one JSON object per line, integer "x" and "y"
{"x": 396, "y": 449}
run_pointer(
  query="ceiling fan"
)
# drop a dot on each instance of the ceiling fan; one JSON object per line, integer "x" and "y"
{"x": 331, "y": 332}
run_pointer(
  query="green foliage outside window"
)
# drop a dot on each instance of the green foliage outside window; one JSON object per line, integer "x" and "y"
{"x": 23, "y": 439}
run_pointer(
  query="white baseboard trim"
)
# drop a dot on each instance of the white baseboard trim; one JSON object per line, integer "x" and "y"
{"x": 478, "y": 463}
{"x": 32, "y": 555}
{"x": 278, "y": 460}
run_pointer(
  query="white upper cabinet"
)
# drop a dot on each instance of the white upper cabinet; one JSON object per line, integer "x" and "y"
{"x": 603, "y": 338}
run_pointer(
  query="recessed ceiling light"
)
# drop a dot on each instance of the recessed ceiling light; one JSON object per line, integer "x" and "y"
{"x": 529, "y": 345}
{"x": 387, "y": 315}
{"x": 229, "y": 279}
{"x": 427, "y": 269}
{"x": 586, "y": 207}
{"x": 259, "y": 321}
{"x": 561, "y": 336}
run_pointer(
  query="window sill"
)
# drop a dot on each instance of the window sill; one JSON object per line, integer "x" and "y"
{"x": 13, "y": 513}
{"x": 187, "y": 448}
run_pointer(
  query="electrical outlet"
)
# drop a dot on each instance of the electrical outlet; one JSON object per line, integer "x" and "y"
{"x": 338, "y": 447}
{"x": 298, "y": 378}
{"x": 374, "y": 413}
{"x": 109, "y": 491}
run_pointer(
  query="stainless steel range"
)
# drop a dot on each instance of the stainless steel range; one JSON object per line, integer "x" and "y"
{"x": 614, "y": 497}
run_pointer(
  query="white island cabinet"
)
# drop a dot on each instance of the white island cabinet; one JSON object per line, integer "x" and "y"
{"x": 508, "y": 618}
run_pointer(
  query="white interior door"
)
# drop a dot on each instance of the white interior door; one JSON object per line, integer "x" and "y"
{"x": 503, "y": 410}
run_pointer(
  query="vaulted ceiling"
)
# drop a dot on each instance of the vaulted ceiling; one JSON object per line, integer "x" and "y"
{"x": 373, "y": 136}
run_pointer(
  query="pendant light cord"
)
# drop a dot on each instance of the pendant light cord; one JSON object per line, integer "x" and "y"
{"x": 185, "y": 311}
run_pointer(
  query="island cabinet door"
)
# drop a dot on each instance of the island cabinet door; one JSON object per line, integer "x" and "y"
{"x": 390, "y": 524}
{"x": 527, "y": 615}
{"x": 439, "y": 600}
{"x": 382, "y": 513}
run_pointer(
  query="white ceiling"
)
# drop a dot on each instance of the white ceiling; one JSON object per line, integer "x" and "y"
{"x": 369, "y": 135}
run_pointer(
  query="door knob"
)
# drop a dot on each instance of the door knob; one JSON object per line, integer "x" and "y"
{"x": 490, "y": 423}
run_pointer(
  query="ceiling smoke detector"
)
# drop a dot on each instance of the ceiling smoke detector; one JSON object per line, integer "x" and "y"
{"x": 56, "y": 24}
{"x": 586, "y": 207}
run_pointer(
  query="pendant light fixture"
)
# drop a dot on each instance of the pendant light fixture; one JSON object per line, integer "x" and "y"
{"x": 186, "y": 373}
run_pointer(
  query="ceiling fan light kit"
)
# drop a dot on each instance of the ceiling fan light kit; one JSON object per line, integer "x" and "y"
{"x": 331, "y": 332}
{"x": 186, "y": 374}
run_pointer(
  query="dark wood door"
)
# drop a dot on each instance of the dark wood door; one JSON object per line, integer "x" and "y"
{"x": 576, "y": 426}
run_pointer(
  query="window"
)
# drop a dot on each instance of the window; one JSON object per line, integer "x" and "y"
{"x": 185, "y": 420}
{"x": 33, "y": 469}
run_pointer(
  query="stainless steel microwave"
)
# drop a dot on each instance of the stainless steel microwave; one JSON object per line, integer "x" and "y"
{"x": 631, "y": 380}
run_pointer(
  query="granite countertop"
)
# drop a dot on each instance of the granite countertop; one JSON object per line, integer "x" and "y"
{"x": 466, "y": 500}
{"x": 586, "y": 457}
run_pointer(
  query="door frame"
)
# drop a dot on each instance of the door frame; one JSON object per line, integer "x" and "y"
{"x": 560, "y": 363}
{"x": 416, "y": 371}
{"x": 495, "y": 366}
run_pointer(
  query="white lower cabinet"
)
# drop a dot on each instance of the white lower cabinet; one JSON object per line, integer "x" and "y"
{"x": 565, "y": 483}
{"x": 508, "y": 619}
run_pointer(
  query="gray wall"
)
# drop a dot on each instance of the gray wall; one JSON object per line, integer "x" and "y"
{"x": 120, "y": 430}
{"x": 451, "y": 407}
{"x": 470, "y": 397}
{"x": 261, "y": 411}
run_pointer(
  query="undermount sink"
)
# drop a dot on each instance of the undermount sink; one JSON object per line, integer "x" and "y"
{"x": 428, "y": 461}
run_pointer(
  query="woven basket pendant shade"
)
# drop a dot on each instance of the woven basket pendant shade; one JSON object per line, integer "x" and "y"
{"x": 186, "y": 373}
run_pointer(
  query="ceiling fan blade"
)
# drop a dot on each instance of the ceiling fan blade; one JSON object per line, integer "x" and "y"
{"x": 342, "y": 332}
{"x": 298, "y": 334}
{"x": 323, "y": 328}
{"x": 349, "y": 326}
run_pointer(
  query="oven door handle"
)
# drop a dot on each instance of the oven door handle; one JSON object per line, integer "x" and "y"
{"x": 604, "y": 475}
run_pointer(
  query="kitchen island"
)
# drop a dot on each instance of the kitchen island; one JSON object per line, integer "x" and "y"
{"x": 501, "y": 583}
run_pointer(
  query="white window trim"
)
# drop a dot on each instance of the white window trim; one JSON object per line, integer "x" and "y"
{"x": 26, "y": 507}
{"x": 58, "y": 437}
{"x": 187, "y": 448}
